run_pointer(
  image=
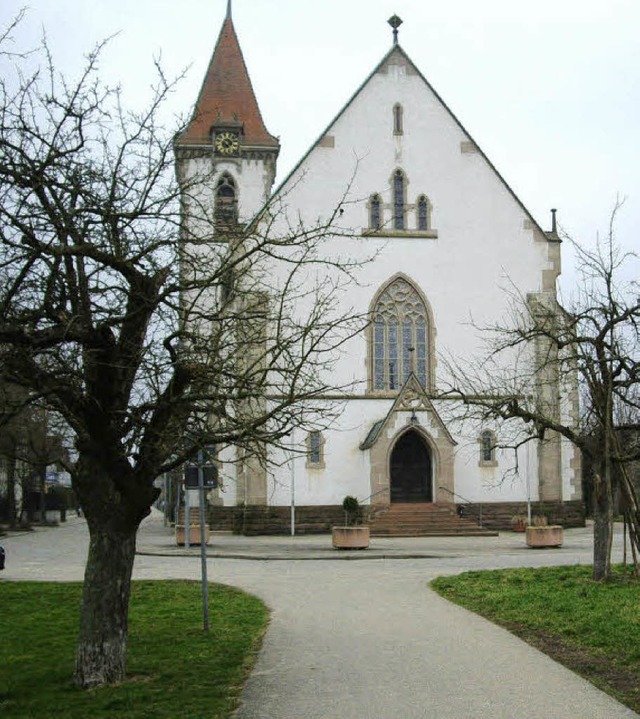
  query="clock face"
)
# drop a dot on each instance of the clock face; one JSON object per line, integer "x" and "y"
{"x": 227, "y": 143}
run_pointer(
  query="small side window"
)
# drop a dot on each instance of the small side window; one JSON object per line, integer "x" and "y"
{"x": 487, "y": 442}
{"x": 315, "y": 449}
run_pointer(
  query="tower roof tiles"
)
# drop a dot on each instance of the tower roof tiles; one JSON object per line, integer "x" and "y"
{"x": 227, "y": 97}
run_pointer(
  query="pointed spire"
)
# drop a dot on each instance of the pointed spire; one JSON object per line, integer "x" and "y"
{"x": 227, "y": 96}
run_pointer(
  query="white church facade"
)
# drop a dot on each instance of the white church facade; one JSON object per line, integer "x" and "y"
{"x": 447, "y": 235}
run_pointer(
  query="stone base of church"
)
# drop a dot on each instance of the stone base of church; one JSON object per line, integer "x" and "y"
{"x": 254, "y": 519}
{"x": 319, "y": 519}
{"x": 497, "y": 515}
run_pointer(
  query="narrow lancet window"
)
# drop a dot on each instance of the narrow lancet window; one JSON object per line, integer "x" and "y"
{"x": 398, "y": 200}
{"x": 423, "y": 213}
{"x": 375, "y": 219}
{"x": 397, "y": 119}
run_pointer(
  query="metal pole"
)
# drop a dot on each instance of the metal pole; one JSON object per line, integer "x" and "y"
{"x": 165, "y": 500}
{"x": 177, "y": 514}
{"x": 203, "y": 546}
{"x": 293, "y": 488}
{"x": 187, "y": 517}
{"x": 528, "y": 485}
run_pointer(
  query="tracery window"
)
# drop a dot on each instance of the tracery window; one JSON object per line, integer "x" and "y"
{"x": 400, "y": 331}
{"x": 398, "y": 200}
{"x": 226, "y": 209}
{"x": 375, "y": 217}
{"x": 397, "y": 119}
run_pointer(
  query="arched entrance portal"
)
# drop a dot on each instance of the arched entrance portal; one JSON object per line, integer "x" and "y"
{"x": 411, "y": 469}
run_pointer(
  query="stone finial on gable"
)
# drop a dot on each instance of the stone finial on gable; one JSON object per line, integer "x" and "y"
{"x": 395, "y": 23}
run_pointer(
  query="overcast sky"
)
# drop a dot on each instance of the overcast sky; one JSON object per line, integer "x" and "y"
{"x": 549, "y": 90}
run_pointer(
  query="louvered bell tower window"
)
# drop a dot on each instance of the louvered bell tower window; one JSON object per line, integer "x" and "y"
{"x": 226, "y": 210}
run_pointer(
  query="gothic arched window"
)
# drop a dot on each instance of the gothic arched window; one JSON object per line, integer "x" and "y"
{"x": 400, "y": 337}
{"x": 422, "y": 210}
{"x": 226, "y": 210}
{"x": 375, "y": 217}
{"x": 398, "y": 200}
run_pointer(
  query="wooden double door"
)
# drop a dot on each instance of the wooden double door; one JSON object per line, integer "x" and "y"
{"x": 411, "y": 469}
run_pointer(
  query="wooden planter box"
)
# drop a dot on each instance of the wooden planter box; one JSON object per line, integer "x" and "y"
{"x": 194, "y": 534}
{"x": 350, "y": 537}
{"x": 550, "y": 536}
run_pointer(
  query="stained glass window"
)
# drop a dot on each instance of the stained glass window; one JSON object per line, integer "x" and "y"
{"x": 399, "y": 336}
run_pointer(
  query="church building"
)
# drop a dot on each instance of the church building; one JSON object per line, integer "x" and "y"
{"x": 447, "y": 235}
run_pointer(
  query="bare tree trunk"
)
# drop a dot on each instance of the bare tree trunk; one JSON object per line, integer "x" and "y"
{"x": 11, "y": 489}
{"x": 42, "y": 488}
{"x": 102, "y": 644}
{"x": 602, "y": 527}
{"x": 114, "y": 511}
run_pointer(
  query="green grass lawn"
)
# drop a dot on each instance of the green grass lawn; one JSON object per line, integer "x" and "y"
{"x": 592, "y": 628}
{"x": 175, "y": 669}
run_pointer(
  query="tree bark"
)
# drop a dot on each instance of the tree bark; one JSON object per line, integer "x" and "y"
{"x": 602, "y": 527}
{"x": 102, "y": 643}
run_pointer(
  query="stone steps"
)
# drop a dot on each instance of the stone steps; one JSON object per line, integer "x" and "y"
{"x": 423, "y": 520}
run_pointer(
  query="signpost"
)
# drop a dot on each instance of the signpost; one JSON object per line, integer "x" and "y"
{"x": 203, "y": 474}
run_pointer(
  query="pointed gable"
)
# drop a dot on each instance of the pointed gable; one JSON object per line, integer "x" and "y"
{"x": 227, "y": 97}
{"x": 397, "y": 56}
{"x": 411, "y": 398}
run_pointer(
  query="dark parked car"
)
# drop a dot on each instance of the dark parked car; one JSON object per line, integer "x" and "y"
{"x": 2, "y": 555}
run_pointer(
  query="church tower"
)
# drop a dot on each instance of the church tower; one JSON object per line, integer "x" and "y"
{"x": 226, "y": 142}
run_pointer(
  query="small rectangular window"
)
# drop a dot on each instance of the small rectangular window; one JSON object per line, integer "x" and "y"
{"x": 487, "y": 448}
{"x": 315, "y": 449}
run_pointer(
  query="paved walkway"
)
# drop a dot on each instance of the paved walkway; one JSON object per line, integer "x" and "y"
{"x": 360, "y": 639}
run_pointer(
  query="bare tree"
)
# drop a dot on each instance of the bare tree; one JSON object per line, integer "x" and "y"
{"x": 137, "y": 327}
{"x": 541, "y": 350}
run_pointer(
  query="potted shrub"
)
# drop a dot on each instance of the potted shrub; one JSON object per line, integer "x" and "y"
{"x": 519, "y": 522}
{"x": 352, "y": 535}
{"x": 541, "y": 534}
